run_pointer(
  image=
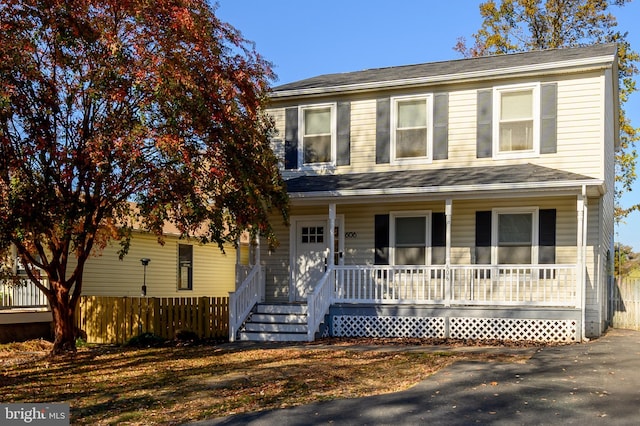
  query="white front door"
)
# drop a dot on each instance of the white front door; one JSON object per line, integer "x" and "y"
{"x": 310, "y": 259}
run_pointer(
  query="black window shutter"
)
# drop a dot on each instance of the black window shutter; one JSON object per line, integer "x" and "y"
{"x": 548, "y": 117}
{"x": 483, "y": 237}
{"x": 484, "y": 132}
{"x": 547, "y": 236}
{"x": 383, "y": 130}
{"x": 440, "y": 126}
{"x": 291, "y": 138}
{"x": 438, "y": 230}
{"x": 344, "y": 134}
{"x": 381, "y": 239}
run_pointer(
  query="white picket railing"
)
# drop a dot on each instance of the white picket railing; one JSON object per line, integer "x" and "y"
{"x": 539, "y": 285}
{"x": 536, "y": 285}
{"x": 390, "y": 284}
{"x": 23, "y": 294}
{"x": 318, "y": 303}
{"x": 241, "y": 301}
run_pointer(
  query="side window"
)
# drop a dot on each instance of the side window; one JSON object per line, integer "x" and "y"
{"x": 318, "y": 135}
{"x": 411, "y": 131}
{"x": 185, "y": 267}
{"x": 516, "y": 121}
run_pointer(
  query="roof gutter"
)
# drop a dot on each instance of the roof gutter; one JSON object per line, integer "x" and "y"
{"x": 586, "y": 64}
{"x": 530, "y": 187}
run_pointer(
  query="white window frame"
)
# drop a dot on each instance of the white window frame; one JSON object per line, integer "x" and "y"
{"x": 495, "y": 213}
{"x": 427, "y": 159}
{"x": 392, "y": 233}
{"x": 497, "y": 96}
{"x": 301, "y": 133}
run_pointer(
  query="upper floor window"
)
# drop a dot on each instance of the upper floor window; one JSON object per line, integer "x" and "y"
{"x": 517, "y": 121}
{"x": 318, "y": 131}
{"x": 411, "y": 131}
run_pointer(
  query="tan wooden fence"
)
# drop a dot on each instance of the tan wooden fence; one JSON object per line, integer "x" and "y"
{"x": 115, "y": 320}
{"x": 625, "y": 304}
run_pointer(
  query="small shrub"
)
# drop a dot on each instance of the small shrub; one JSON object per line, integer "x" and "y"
{"x": 145, "y": 340}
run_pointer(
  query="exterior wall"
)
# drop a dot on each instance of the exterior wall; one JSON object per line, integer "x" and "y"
{"x": 580, "y": 122}
{"x": 106, "y": 275}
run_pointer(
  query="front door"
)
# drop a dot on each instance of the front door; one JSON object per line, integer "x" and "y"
{"x": 311, "y": 252}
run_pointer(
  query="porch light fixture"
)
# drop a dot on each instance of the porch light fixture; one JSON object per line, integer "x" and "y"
{"x": 144, "y": 262}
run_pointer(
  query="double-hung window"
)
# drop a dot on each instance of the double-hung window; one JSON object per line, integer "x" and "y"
{"x": 517, "y": 120}
{"x": 515, "y": 236}
{"x": 410, "y": 237}
{"x": 411, "y": 132}
{"x": 318, "y": 135}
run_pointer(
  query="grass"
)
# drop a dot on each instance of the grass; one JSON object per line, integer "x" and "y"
{"x": 173, "y": 385}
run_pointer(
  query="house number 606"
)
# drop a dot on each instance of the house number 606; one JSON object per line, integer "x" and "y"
{"x": 351, "y": 235}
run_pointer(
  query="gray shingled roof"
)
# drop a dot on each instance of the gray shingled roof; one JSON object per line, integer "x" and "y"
{"x": 434, "y": 69}
{"x": 521, "y": 173}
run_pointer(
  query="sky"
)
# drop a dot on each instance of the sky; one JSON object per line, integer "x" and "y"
{"x": 306, "y": 38}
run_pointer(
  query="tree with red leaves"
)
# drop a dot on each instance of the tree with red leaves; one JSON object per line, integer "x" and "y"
{"x": 119, "y": 112}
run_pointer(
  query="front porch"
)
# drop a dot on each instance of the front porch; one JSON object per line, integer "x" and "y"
{"x": 506, "y": 302}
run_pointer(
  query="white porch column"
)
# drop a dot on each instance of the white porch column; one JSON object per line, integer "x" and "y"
{"x": 332, "y": 236}
{"x": 447, "y": 256}
{"x": 581, "y": 252}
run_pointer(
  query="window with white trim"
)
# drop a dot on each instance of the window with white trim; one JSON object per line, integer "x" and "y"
{"x": 411, "y": 129}
{"x": 516, "y": 121}
{"x": 318, "y": 135}
{"x": 410, "y": 238}
{"x": 515, "y": 236}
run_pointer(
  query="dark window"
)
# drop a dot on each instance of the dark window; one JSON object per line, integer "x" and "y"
{"x": 185, "y": 267}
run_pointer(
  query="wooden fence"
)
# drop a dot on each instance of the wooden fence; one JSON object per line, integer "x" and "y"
{"x": 625, "y": 304}
{"x": 115, "y": 320}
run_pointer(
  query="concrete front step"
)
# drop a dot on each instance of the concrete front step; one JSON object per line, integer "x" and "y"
{"x": 272, "y": 337}
{"x": 282, "y": 308}
{"x": 275, "y": 327}
{"x": 279, "y": 318}
{"x": 276, "y": 323}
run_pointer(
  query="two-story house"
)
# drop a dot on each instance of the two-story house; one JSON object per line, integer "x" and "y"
{"x": 470, "y": 198}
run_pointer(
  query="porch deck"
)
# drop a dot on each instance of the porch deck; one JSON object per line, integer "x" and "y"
{"x": 543, "y": 300}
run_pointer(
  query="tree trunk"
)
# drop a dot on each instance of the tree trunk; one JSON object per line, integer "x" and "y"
{"x": 63, "y": 324}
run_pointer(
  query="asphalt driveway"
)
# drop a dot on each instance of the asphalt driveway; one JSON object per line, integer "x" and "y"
{"x": 589, "y": 383}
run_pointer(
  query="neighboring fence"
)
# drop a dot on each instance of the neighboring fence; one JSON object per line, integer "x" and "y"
{"x": 625, "y": 303}
{"x": 115, "y": 320}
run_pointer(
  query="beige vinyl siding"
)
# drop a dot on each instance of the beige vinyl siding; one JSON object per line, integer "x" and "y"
{"x": 106, "y": 275}
{"x": 363, "y": 135}
{"x": 580, "y": 123}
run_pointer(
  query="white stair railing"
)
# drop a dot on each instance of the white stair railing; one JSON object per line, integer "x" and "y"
{"x": 244, "y": 299}
{"x": 319, "y": 302}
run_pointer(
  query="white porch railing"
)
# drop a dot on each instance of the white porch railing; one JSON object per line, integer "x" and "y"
{"x": 241, "y": 301}
{"x": 25, "y": 294}
{"x": 318, "y": 303}
{"x": 540, "y": 285}
{"x": 530, "y": 285}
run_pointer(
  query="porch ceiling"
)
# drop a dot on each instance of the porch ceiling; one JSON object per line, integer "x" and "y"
{"x": 522, "y": 178}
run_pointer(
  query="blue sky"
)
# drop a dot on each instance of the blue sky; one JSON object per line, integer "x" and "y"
{"x": 305, "y": 38}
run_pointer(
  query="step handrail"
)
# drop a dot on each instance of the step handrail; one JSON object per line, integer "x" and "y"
{"x": 242, "y": 301}
{"x": 318, "y": 303}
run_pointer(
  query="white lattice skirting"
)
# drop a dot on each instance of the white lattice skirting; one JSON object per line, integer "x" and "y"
{"x": 542, "y": 330}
